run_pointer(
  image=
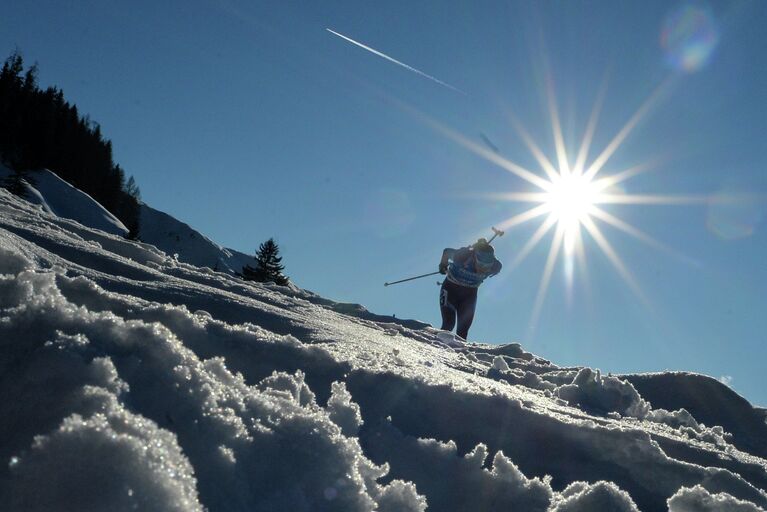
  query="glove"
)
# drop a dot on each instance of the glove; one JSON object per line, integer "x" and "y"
{"x": 443, "y": 268}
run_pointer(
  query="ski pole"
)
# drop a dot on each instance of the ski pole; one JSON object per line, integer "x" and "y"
{"x": 412, "y": 278}
{"x": 496, "y": 232}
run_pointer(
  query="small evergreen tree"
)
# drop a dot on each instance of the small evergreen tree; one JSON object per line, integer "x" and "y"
{"x": 15, "y": 183}
{"x": 130, "y": 208}
{"x": 132, "y": 189}
{"x": 268, "y": 265}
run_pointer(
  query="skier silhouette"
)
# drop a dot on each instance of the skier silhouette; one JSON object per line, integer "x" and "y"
{"x": 465, "y": 269}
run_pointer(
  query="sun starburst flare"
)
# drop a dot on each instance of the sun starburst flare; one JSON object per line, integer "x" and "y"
{"x": 569, "y": 197}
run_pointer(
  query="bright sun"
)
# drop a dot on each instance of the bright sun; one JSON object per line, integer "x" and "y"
{"x": 570, "y": 201}
{"x": 570, "y": 197}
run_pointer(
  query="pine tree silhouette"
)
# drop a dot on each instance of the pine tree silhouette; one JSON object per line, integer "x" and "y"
{"x": 15, "y": 183}
{"x": 268, "y": 265}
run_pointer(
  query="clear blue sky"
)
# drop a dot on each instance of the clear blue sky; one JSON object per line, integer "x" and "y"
{"x": 249, "y": 120}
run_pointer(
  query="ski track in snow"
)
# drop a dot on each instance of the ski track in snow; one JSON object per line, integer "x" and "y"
{"x": 132, "y": 381}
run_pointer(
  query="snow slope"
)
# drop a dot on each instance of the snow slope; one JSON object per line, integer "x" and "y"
{"x": 132, "y": 381}
{"x": 175, "y": 237}
{"x": 57, "y": 196}
{"x": 170, "y": 235}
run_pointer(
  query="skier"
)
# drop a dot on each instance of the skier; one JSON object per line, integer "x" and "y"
{"x": 465, "y": 269}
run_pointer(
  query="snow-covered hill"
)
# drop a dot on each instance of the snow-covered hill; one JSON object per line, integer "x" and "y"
{"x": 130, "y": 380}
{"x": 178, "y": 238}
{"x": 165, "y": 232}
{"x": 58, "y": 197}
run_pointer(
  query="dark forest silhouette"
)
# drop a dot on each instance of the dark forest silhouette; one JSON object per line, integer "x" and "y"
{"x": 39, "y": 129}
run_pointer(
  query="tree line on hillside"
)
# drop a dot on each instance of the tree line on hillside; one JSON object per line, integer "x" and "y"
{"x": 39, "y": 129}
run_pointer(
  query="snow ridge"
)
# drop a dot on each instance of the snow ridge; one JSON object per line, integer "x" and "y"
{"x": 56, "y": 196}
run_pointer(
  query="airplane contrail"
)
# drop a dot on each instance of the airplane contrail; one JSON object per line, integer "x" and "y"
{"x": 395, "y": 61}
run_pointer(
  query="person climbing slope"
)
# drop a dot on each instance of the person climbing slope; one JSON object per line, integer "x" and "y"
{"x": 465, "y": 269}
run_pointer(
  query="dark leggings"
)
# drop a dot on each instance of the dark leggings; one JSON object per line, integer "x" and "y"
{"x": 457, "y": 301}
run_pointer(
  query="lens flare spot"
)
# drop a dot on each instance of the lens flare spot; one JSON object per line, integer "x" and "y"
{"x": 391, "y": 211}
{"x": 689, "y": 37}
{"x": 733, "y": 220}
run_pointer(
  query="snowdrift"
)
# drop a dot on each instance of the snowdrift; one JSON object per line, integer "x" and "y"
{"x": 58, "y": 197}
{"x": 170, "y": 235}
{"x": 130, "y": 380}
